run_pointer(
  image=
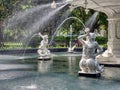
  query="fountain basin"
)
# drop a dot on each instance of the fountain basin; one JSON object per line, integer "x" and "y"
{"x": 60, "y": 73}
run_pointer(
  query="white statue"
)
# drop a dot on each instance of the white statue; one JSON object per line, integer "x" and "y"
{"x": 43, "y": 51}
{"x": 88, "y": 62}
{"x": 53, "y": 4}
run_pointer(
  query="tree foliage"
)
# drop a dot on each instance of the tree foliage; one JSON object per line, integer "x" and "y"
{"x": 6, "y": 8}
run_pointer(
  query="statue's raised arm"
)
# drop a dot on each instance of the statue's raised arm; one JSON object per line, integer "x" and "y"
{"x": 80, "y": 38}
{"x": 40, "y": 35}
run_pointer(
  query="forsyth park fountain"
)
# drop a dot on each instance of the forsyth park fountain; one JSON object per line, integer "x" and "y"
{"x": 61, "y": 71}
{"x": 111, "y": 56}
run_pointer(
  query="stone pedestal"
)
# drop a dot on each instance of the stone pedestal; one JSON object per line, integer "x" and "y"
{"x": 109, "y": 61}
{"x": 44, "y": 54}
{"x": 44, "y": 58}
{"x": 112, "y": 57}
{"x": 92, "y": 75}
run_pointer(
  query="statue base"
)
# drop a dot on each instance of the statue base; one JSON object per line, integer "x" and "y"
{"x": 92, "y": 75}
{"x": 44, "y": 58}
{"x": 70, "y": 51}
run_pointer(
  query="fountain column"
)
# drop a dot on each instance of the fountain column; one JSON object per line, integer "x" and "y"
{"x": 70, "y": 48}
{"x": 114, "y": 36}
{"x": 112, "y": 54}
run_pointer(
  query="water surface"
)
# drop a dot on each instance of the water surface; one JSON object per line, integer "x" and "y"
{"x": 60, "y": 73}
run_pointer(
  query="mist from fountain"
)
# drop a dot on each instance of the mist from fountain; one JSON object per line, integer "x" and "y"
{"x": 21, "y": 16}
{"x": 92, "y": 21}
{"x": 23, "y": 56}
{"x": 33, "y": 20}
{"x": 43, "y": 20}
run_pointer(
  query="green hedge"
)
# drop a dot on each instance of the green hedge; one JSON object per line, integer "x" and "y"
{"x": 36, "y": 40}
{"x": 60, "y": 39}
{"x": 101, "y": 40}
{"x": 64, "y": 39}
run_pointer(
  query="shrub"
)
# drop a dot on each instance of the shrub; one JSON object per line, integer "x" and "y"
{"x": 101, "y": 40}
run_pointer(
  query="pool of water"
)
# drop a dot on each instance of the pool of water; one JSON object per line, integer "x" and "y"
{"x": 59, "y": 73}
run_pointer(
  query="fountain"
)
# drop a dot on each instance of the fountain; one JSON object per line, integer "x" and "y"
{"x": 60, "y": 72}
{"x": 44, "y": 53}
{"x": 88, "y": 64}
{"x": 33, "y": 20}
{"x": 111, "y": 57}
{"x": 91, "y": 22}
{"x": 75, "y": 18}
{"x": 70, "y": 49}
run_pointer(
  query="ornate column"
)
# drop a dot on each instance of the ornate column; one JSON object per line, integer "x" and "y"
{"x": 114, "y": 36}
{"x": 112, "y": 55}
